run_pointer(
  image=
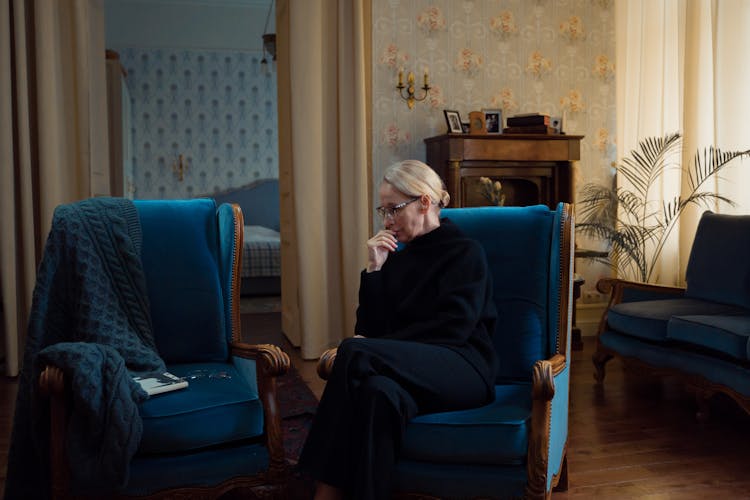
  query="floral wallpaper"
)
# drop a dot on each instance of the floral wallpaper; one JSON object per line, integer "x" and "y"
{"x": 216, "y": 109}
{"x": 520, "y": 56}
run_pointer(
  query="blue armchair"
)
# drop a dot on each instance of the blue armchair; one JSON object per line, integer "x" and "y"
{"x": 516, "y": 446}
{"x": 223, "y": 431}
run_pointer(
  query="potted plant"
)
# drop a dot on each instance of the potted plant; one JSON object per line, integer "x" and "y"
{"x": 635, "y": 226}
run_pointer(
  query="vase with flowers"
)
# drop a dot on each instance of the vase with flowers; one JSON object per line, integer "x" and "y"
{"x": 492, "y": 191}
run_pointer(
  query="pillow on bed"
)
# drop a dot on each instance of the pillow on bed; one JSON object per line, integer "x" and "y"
{"x": 260, "y": 233}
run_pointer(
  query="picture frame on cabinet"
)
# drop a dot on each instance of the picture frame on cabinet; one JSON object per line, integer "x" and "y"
{"x": 493, "y": 119}
{"x": 477, "y": 125}
{"x": 453, "y": 119}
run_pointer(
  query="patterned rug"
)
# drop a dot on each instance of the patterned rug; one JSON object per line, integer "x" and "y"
{"x": 297, "y": 404}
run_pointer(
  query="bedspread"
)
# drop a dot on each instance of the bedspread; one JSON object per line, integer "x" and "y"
{"x": 261, "y": 252}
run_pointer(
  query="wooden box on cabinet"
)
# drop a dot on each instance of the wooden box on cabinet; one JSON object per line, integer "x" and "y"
{"x": 533, "y": 169}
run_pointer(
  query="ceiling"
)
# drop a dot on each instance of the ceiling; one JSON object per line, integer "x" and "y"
{"x": 197, "y": 24}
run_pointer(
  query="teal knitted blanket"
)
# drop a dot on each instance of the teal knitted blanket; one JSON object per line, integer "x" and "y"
{"x": 90, "y": 317}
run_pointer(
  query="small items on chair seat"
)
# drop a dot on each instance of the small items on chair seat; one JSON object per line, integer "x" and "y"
{"x": 176, "y": 421}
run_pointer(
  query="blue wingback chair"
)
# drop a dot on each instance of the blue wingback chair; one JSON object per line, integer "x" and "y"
{"x": 224, "y": 430}
{"x": 516, "y": 446}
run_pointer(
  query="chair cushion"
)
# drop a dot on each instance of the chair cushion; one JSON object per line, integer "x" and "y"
{"x": 725, "y": 334}
{"x": 647, "y": 319}
{"x": 718, "y": 269}
{"x": 217, "y": 394}
{"x": 493, "y": 434}
{"x": 181, "y": 261}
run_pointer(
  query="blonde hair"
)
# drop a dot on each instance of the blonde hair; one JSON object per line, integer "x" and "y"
{"x": 414, "y": 178}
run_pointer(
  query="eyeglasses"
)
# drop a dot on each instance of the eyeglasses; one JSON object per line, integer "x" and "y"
{"x": 393, "y": 211}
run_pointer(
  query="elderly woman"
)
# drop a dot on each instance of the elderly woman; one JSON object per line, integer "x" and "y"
{"x": 422, "y": 342}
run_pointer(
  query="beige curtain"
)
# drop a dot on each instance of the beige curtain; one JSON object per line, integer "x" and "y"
{"x": 681, "y": 67}
{"x": 324, "y": 171}
{"x": 53, "y": 142}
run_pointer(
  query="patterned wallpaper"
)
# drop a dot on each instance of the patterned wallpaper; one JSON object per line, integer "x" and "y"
{"x": 550, "y": 56}
{"x": 520, "y": 56}
{"x": 216, "y": 108}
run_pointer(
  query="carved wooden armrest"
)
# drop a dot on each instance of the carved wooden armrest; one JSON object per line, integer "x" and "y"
{"x": 271, "y": 362}
{"x": 325, "y": 363}
{"x": 542, "y": 392}
{"x": 615, "y": 286}
{"x": 543, "y": 382}
{"x": 271, "y": 359}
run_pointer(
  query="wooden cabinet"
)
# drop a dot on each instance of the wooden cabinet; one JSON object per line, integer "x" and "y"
{"x": 533, "y": 169}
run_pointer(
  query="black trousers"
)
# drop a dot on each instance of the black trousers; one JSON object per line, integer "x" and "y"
{"x": 376, "y": 386}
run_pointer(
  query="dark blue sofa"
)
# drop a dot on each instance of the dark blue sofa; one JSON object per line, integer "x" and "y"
{"x": 700, "y": 332}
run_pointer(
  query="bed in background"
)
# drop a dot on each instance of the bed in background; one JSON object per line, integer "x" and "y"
{"x": 261, "y": 262}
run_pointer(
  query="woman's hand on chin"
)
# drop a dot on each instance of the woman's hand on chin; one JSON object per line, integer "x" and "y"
{"x": 378, "y": 248}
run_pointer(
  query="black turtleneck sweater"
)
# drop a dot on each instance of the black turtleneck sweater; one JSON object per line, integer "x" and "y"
{"x": 437, "y": 290}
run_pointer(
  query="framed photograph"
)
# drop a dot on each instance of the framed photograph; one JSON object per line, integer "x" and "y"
{"x": 493, "y": 119}
{"x": 453, "y": 120}
{"x": 477, "y": 125}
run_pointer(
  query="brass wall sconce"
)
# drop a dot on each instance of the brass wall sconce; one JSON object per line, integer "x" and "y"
{"x": 179, "y": 167}
{"x": 410, "y": 96}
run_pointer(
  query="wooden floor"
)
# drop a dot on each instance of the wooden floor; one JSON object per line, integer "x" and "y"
{"x": 635, "y": 437}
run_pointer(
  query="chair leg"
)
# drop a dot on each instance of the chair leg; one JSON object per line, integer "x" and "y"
{"x": 600, "y": 360}
{"x": 702, "y": 398}
{"x": 562, "y": 483}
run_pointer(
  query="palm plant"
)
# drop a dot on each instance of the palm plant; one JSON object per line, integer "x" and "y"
{"x": 635, "y": 226}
